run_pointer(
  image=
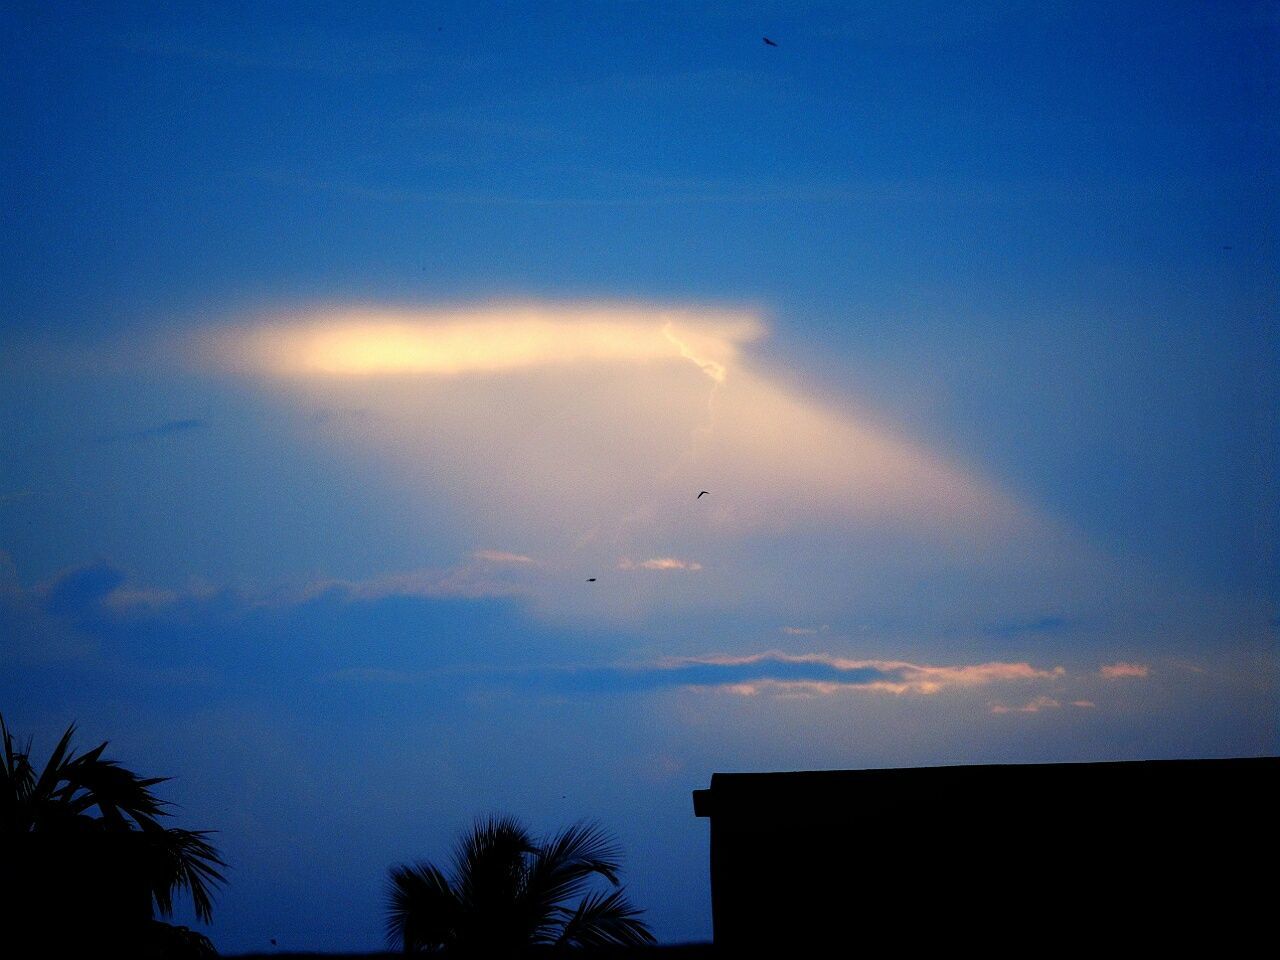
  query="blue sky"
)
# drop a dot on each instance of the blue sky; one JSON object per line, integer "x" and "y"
{"x": 339, "y": 346}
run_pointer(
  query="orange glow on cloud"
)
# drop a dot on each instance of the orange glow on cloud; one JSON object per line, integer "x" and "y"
{"x": 659, "y": 563}
{"x": 902, "y": 676}
{"x": 387, "y": 342}
{"x": 581, "y": 432}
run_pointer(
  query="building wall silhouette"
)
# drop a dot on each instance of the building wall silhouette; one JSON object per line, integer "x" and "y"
{"x": 999, "y": 859}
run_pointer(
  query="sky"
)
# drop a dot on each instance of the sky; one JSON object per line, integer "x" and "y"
{"x": 341, "y": 345}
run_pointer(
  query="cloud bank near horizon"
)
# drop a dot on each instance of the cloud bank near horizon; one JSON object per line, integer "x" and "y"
{"x": 83, "y": 616}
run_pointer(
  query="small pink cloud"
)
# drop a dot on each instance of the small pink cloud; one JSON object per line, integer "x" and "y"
{"x": 659, "y": 563}
{"x": 1120, "y": 671}
{"x": 1032, "y": 706}
{"x": 501, "y": 556}
{"x": 1084, "y": 704}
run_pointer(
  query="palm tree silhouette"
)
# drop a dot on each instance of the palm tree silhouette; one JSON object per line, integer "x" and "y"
{"x": 58, "y": 804}
{"x": 509, "y": 893}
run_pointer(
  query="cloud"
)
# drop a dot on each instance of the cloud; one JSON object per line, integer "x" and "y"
{"x": 1121, "y": 671}
{"x": 1031, "y": 706}
{"x": 583, "y": 430}
{"x": 472, "y": 581}
{"x": 501, "y": 556}
{"x": 771, "y": 675}
{"x": 80, "y": 590}
{"x": 1014, "y": 628}
{"x": 38, "y": 625}
{"x": 130, "y": 599}
{"x": 170, "y": 428}
{"x": 659, "y": 563}
{"x": 814, "y": 674}
{"x": 100, "y": 589}
{"x": 799, "y": 631}
{"x": 375, "y": 342}
{"x": 893, "y": 676}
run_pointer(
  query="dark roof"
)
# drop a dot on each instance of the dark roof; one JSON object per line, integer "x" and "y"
{"x": 814, "y": 790}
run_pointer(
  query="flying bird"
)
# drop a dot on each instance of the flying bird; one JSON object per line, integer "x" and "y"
{"x": 768, "y": 42}
{"x": 273, "y": 941}
{"x": 702, "y": 494}
{"x": 591, "y": 579}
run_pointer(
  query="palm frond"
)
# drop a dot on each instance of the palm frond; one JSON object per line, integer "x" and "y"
{"x": 90, "y": 781}
{"x": 489, "y": 862}
{"x": 604, "y": 919}
{"x": 564, "y": 867}
{"x": 18, "y": 781}
{"x": 184, "y": 860}
{"x": 63, "y": 796}
{"x": 422, "y": 909}
{"x": 53, "y": 769}
{"x": 509, "y": 894}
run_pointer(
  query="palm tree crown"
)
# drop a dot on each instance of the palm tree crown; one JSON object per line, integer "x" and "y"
{"x": 60, "y": 800}
{"x": 509, "y": 893}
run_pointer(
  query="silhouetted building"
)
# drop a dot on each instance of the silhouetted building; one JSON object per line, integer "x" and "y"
{"x": 1037, "y": 858}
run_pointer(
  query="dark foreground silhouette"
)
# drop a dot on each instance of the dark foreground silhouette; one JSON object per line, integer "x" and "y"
{"x": 509, "y": 894}
{"x": 677, "y": 951}
{"x": 85, "y": 862}
{"x": 1099, "y": 859}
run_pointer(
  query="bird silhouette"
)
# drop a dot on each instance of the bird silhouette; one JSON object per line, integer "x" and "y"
{"x": 702, "y": 494}
{"x": 273, "y": 941}
{"x": 768, "y": 42}
{"x": 591, "y": 579}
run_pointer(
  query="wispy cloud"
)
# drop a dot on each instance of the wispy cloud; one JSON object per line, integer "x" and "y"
{"x": 772, "y": 673}
{"x": 1122, "y": 671}
{"x": 472, "y": 581}
{"x": 831, "y": 672}
{"x": 659, "y": 563}
{"x": 102, "y": 587}
{"x": 170, "y": 428}
{"x": 1031, "y": 706}
{"x": 31, "y": 633}
{"x": 501, "y": 556}
{"x": 1013, "y": 628}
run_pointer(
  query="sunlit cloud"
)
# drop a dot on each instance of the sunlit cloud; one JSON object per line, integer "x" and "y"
{"x": 584, "y": 431}
{"x": 373, "y": 342}
{"x": 659, "y": 563}
{"x": 501, "y": 556}
{"x": 824, "y": 674}
{"x": 1122, "y": 671}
